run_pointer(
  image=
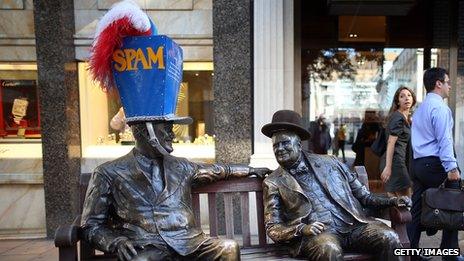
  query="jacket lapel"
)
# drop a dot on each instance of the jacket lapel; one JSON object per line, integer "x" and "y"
{"x": 320, "y": 170}
{"x": 140, "y": 179}
{"x": 290, "y": 182}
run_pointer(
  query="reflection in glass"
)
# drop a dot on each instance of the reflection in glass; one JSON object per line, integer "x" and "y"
{"x": 351, "y": 86}
{"x": 102, "y": 116}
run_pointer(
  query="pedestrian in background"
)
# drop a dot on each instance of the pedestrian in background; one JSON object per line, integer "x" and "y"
{"x": 434, "y": 159}
{"x": 341, "y": 140}
{"x": 366, "y": 136}
{"x": 394, "y": 162}
{"x": 321, "y": 139}
{"x": 335, "y": 147}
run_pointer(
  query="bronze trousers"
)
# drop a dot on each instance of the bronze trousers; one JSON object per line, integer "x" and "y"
{"x": 374, "y": 238}
{"x": 211, "y": 249}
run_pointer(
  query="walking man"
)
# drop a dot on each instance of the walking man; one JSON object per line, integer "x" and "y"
{"x": 434, "y": 159}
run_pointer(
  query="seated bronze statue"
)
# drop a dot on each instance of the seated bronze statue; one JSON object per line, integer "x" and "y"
{"x": 315, "y": 205}
{"x": 140, "y": 207}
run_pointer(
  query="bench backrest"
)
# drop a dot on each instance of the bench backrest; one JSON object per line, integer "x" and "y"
{"x": 228, "y": 188}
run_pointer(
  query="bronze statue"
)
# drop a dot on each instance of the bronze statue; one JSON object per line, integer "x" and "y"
{"x": 140, "y": 207}
{"x": 314, "y": 204}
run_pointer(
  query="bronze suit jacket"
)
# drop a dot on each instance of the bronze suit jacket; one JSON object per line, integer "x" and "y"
{"x": 121, "y": 202}
{"x": 286, "y": 206}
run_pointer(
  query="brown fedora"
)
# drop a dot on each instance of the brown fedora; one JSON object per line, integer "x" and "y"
{"x": 285, "y": 120}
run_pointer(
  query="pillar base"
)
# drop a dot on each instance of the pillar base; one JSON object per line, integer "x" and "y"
{"x": 264, "y": 160}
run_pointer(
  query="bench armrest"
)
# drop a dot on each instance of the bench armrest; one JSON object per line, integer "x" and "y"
{"x": 400, "y": 215}
{"x": 68, "y": 235}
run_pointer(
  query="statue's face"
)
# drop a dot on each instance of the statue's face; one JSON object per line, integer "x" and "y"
{"x": 165, "y": 135}
{"x": 287, "y": 147}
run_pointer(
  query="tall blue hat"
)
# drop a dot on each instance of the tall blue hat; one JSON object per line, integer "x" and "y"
{"x": 146, "y": 68}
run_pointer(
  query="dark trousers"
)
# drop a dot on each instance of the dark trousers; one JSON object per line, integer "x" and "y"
{"x": 341, "y": 146}
{"x": 428, "y": 172}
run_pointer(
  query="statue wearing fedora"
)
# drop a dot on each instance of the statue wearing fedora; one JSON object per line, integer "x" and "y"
{"x": 314, "y": 204}
{"x": 139, "y": 206}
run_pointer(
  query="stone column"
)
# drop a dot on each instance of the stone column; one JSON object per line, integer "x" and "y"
{"x": 233, "y": 80}
{"x": 277, "y": 80}
{"x": 59, "y": 109}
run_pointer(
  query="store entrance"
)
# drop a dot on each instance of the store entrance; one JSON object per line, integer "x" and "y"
{"x": 353, "y": 61}
{"x": 350, "y": 94}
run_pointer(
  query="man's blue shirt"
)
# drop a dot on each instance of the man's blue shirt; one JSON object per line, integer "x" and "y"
{"x": 432, "y": 131}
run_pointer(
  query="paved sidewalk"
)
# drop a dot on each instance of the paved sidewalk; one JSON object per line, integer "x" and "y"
{"x": 44, "y": 249}
{"x": 28, "y": 250}
{"x": 434, "y": 242}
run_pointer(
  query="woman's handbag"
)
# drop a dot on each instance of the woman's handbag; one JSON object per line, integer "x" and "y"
{"x": 443, "y": 208}
{"x": 380, "y": 143}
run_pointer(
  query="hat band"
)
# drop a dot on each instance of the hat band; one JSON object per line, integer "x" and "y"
{"x": 281, "y": 129}
{"x": 167, "y": 117}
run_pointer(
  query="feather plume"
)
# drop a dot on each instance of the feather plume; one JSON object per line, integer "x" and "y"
{"x": 123, "y": 19}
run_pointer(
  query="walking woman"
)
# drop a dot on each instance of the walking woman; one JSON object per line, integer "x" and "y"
{"x": 394, "y": 163}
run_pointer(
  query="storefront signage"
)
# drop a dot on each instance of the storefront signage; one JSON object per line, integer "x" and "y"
{"x": 17, "y": 83}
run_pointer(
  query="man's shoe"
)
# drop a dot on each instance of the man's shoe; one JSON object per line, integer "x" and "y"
{"x": 421, "y": 258}
{"x": 430, "y": 231}
{"x": 424, "y": 258}
{"x": 453, "y": 258}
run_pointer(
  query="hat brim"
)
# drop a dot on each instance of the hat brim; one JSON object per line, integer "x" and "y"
{"x": 271, "y": 128}
{"x": 181, "y": 120}
{"x": 173, "y": 119}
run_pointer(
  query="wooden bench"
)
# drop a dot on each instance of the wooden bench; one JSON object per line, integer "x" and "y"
{"x": 67, "y": 237}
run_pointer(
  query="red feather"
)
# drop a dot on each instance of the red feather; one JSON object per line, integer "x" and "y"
{"x": 102, "y": 50}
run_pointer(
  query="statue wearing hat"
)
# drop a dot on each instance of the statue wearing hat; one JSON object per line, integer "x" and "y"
{"x": 139, "y": 206}
{"x": 314, "y": 204}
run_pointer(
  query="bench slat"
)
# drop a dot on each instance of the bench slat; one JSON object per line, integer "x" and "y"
{"x": 196, "y": 209}
{"x": 229, "y": 215}
{"x": 231, "y": 185}
{"x": 260, "y": 212}
{"x": 245, "y": 208}
{"x": 212, "y": 214}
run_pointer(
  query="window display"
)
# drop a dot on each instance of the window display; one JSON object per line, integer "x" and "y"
{"x": 19, "y": 103}
{"x": 107, "y": 130}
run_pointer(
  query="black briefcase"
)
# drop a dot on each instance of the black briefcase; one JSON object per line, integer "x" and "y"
{"x": 443, "y": 208}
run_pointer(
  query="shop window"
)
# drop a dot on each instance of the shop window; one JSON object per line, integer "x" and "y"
{"x": 19, "y": 102}
{"x": 106, "y": 131}
{"x": 355, "y": 86}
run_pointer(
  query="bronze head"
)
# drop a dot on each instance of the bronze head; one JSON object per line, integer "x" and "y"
{"x": 287, "y": 147}
{"x": 144, "y": 141}
{"x": 287, "y": 132}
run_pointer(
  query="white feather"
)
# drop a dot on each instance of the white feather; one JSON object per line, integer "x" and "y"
{"x": 126, "y": 8}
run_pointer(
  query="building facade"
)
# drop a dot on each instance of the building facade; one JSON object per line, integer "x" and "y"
{"x": 243, "y": 61}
